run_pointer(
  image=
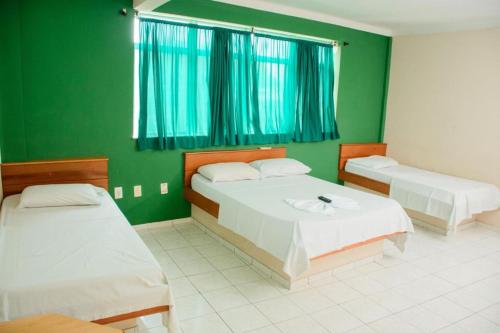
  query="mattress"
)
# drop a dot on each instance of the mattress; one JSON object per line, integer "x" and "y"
{"x": 449, "y": 198}
{"x": 256, "y": 210}
{"x": 83, "y": 261}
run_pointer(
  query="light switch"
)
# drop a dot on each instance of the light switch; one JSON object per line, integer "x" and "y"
{"x": 137, "y": 191}
{"x": 163, "y": 188}
{"x": 118, "y": 192}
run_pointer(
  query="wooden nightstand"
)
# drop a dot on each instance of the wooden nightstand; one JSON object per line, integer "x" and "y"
{"x": 53, "y": 323}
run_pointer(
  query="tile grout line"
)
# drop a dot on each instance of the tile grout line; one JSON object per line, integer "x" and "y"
{"x": 433, "y": 274}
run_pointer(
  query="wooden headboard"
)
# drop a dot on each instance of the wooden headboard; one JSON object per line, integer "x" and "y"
{"x": 192, "y": 161}
{"x": 352, "y": 150}
{"x": 17, "y": 176}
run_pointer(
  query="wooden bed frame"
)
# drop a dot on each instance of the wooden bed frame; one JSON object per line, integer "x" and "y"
{"x": 16, "y": 176}
{"x": 353, "y": 150}
{"x": 348, "y": 151}
{"x": 206, "y": 211}
{"x": 192, "y": 161}
{"x": 19, "y": 175}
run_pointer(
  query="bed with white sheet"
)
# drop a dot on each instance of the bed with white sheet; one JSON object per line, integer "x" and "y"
{"x": 83, "y": 261}
{"x": 86, "y": 262}
{"x": 450, "y": 199}
{"x": 257, "y": 211}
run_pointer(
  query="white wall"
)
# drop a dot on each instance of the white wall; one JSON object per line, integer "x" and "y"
{"x": 443, "y": 110}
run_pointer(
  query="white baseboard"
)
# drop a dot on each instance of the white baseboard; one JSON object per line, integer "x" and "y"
{"x": 449, "y": 232}
{"x": 431, "y": 227}
{"x": 160, "y": 224}
{"x": 488, "y": 226}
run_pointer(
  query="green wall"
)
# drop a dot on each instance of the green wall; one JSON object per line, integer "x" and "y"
{"x": 69, "y": 88}
{"x": 11, "y": 112}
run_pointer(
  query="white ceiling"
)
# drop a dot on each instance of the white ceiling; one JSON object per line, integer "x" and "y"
{"x": 389, "y": 17}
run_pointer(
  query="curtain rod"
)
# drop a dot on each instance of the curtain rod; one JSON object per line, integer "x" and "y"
{"x": 235, "y": 26}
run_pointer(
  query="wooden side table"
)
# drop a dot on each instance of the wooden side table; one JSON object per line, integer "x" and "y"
{"x": 53, "y": 323}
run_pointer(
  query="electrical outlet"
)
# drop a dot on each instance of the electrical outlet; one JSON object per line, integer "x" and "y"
{"x": 118, "y": 192}
{"x": 163, "y": 188}
{"x": 137, "y": 191}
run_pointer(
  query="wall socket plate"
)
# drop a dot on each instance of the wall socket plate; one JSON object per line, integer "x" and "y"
{"x": 118, "y": 192}
{"x": 137, "y": 191}
{"x": 163, "y": 188}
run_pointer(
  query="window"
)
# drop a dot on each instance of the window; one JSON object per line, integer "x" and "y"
{"x": 201, "y": 86}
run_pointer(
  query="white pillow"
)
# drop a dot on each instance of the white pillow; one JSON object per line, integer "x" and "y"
{"x": 225, "y": 172}
{"x": 56, "y": 195}
{"x": 278, "y": 167}
{"x": 374, "y": 162}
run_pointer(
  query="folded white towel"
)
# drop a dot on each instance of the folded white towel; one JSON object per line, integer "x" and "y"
{"x": 319, "y": 206}
{"x": 313, "y": 206}
{"x": 342, "y": 202}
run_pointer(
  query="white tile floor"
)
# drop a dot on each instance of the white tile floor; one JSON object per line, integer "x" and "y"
{"x": 440, "y": 284}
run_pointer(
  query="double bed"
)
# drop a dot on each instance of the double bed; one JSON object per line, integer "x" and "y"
{"x": 297, "y": 246}
{"x": 441, "y": 202}
{"x": 83, "y": 261}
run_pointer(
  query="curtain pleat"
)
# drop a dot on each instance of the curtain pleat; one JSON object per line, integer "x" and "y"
{"x": 219, "y": 86}
{"x": 308, "y": 121}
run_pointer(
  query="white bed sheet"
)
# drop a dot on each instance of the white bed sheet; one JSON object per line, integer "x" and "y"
{"x": 256, "y": 210}
{"x": 449, "y": 198}
{"x": 382, "y": 175}
{"x": 86, "y": 262}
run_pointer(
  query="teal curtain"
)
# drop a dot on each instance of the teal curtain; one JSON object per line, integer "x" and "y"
{"x": 275, "y": 62}
{"x": 240, "y": 124}
{"x": 203, "y": 86}
{"x": 219, "y": 86}
{"x": 174, "y": 68}
{"x": 315, "y": 115}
